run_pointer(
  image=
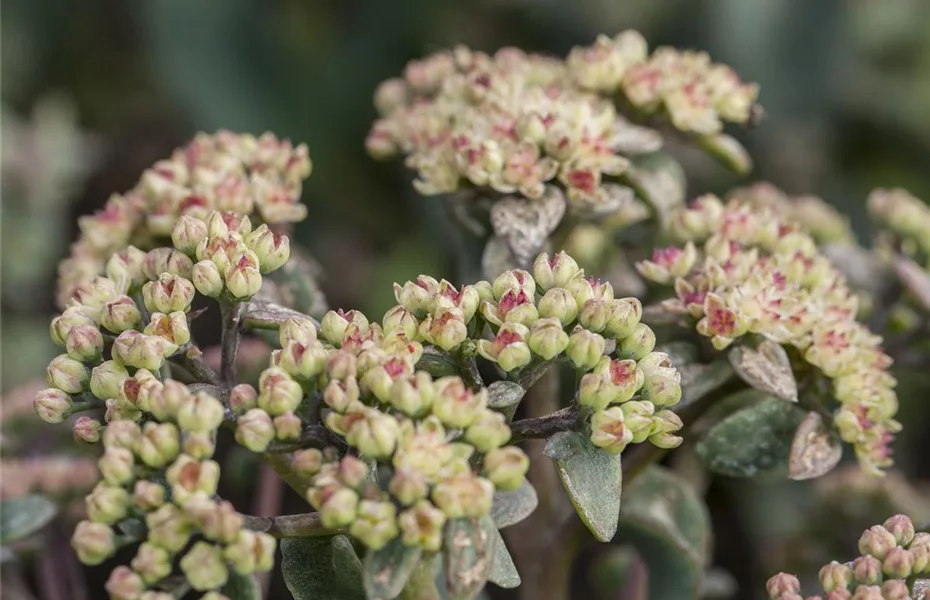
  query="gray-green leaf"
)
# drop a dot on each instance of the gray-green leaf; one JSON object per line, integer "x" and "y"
{"x": 321, "y": 568}
{"x": 728, "y": 151}
{"x": 752, "y": 441}
{"x": 765, "y": 367}
{"x": 437, "y": 362}
{"x": 21, "y": 517}
{"x": 593, "y": 479}
{"x": 505, "y": 396}
{"x": 386, "y": 571}
{"x": 663, "y": 518}
{"x": 509, "y": 508}
{"x": 503, "y": 571}
{"x": 242, "y": 587}
{"x": 469, "y": 553}
{"x": 816, "y": 449}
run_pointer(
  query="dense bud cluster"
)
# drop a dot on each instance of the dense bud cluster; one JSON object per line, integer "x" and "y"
{"x": 756, "y": 273}
{"x": 513, "y": 121}
{"x": 893, "y": 556}
{"x": 225, "y": 172}
{"x": 908, "y": 219}
{"x": 823, "y": 222}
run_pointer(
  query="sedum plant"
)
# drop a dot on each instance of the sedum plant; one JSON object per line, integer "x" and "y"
{"x": 417, "y": 440}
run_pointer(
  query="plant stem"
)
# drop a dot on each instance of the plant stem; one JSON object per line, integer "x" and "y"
{"x": 290, "y": 526}
{"x": 231, "y": 315}
{"x": 190, "y": 358}
{"x": 565, "y": 419}
{"x": 268, "y": 315}
{"x": 313, "y": 436}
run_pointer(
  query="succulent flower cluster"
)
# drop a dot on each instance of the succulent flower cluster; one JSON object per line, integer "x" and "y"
{"x": 225, "y": 172}
{"x": 893, "y": 556}
{"x": 513, "y": 121}
{"x": 908, "y": 219}
{"x": 756, "y": 273}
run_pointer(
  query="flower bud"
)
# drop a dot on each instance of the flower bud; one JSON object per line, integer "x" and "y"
{"x": 107, "y": 504}
{"x": 61, "y": 326}
{"x": 287, "y": 426}
{"x": 158, "y": 445}
{"x": 87, "y": 430}
{"x": 558, "y": 303}
{"x": 120, "y": 314}
{"x": 121, "y": 434}
{"x": 608, "y": 430}
{"x": 162, "y": 261}
{"x": 408, "y": 486}
{"x": 242, "y": 398}
{"x": 835, "y": 576}
{"x": 306, "y": 463}
{"x": 135, "y": 349}
{"x": 148, "y": 495}
{"x": 243, "y": 278}
{"x": 781, "y": 585}
{"x": 375, "y": 525}
{"x": 508, "y": 349}
{"x": 199, "y": 444}
{"x": 167, "y": 402}
{"x": 151, "y": 563}
{"x": 547, "y": 339}
{"x": 413, "y": 395}
{"x": 123, "y": 584}
{"x": 506, "y": 467}
{"x": 67, "y": 374}
{"x": 188, "y": 476}
{"x": 173, "y": 327}
{"x": 895, "y": 589}
{"x": 255, "y": 430}
{"x": 120, "y": 410}
{"x": 637, "y": 415}
{"x": 116, "y": 466}
{"x": 594, "y": 315}
{"x": 169, "y": 528}
{"x": 107, "y": 378}
{"x": 339, "y": 395}
{"x": 207, "y": 278}
{"x": 414, "y": 296}
{"x": 84, "y": 343}
{"x": 422, "y": 526}
{"x": 662, "y": 384}
{"x": 278, "y": 393}
{"x": 168, "y": 294}
{"x": 447, "y": 329}
{"x": 625, "y": 314}
{"x": 303, "y": 361}
{"x": 867, "y": 570}
{"x": 584, "y": 290}
{"x": 400, "y": 319}
{"x": 664, "y": 426}
{"x": 585, "y": 349}
{"x": 202, "y": 412}
{"x": 639, "y": 343}
{"x": 187, "y": 234}
{"x": 93, "y": 542}
{"x": 205, "y": 567}
{"x": 556, "y": 272}
{"x": 623, "y": 375}
{"x": 297, "y": 329}
{"x": 251, "y": 551}
{"x": 218, "y": 521}
{"x": 463, "y": 495}
{"x": 340, "y": 508}
{"x": 898, "y": 563}
{"x": 456, "y": 405}
{"x": 877, "y": 541}
{"x": 517, "y": 280}
{"x": 52, "y": 405}
{"x": 126, "y": 268}
{"x": 901, "y": 527}
{"x": 341, "y": 365}
{"x": 488, "y": 431}
{"x": 373, "y": 433}
{"x": 272, "y": 249}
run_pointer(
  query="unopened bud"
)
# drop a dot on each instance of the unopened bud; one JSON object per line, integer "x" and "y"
{"x": 306, "y": 463}
{"x": 895, "y": 589}
{"x": 116, "y": 466}
{"x": 835, "y": 576}
{"x": 547, "y": 339}
{"x": 120, "y": 314}
{"x": 509, "y": 348}
{"x": 901, "y": 527}
{"x": 556, "y": 272}
{"x": 623, "y": 375}
{"x": 188, "y": 232}
{"x": 168, "y": 294}
{"x": 243, "y": 278}
{"x": 625, "y": 314}
{"x": 251, "y": 551}
{"x": 639, "y": 343}
{"x": 166, "y": 261}
{"x": 867, "y": 570}
{"x": 242, "y": 398}
{"x": 61, "y": 326}
{"x": 52, "y": 405}
{"x": 188, "y": 476}
{"x": 202, "y": 412}
{"x": 637, "y": 415}
{"x": 898, "y": 563}
{"x": 506, "y": 467}
{"x": 558, "y": 303}
{"x": 339, "y": 395}
{"x": 608, "y": 430}
{"x": 121, "y": 434}
{"x": 585, "y": 349}
{"x": 158, "y": 445}
{"x": 782, "y": 584}
{"x": 148, "y": 495}
{"x": 488, "y": 431}
{"x": 199, "y": 444}
{"x": 594, "y": 315}
{"x": 422, "y": 526}
{"x": 151, "y": 563}
{"x": 168, "y": 528}
{"x": 664, "y": 426}
{"x": 341, "y": 365}
{"x": 413, "y": 395}
{"x": 463, "y": 495}
{"x": 123, "y": 584}
{"x": 167, "y": 402}
{"x": 277, "y": 392}
{"x": 173, "y": 327}
{"x": 87, "y": 430}
{"x": 877, "y": 541}
{"x": 67, "y": 374}
{"x": 297, "y": 329}
{"x": 373, "y": 433}
{"x": 218, "y": 521}
{"x": 303, "y": 361}
{"x": 408, "y": 486}
{"x": 662, "y": 385}
{"x": 456, "y": 405}
{"x": 84, "y": 343}
{"x": 287, "y": 426}
{"x": 93, "y": 542}
{"x": 255, "y": 430}
{"x": 400, "y": 319}
{"x": 272, "y": 249}
{"x": 205, "y": 567}
{"x": 340, "y": 508}
{"x": 207, "y": 278}
{"x": 375, "y": 524}
{"x": 107, "y": 504}
{"x": 517, "y": 280}
{"x": 107, "y": 378}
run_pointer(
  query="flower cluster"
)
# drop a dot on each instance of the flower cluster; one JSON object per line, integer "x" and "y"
{"x": 756, "y": 273}
{"x": 224, "y": 172}
{"x": 907, "y": 217}
{"x": 893, "y": 554}
{"x": 53, "y": 475}
{"x": 514, "y": 121}
{"x": 823, "y": 222}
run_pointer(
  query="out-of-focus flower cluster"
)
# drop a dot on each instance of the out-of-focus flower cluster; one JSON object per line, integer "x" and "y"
{"x": 225, "y": 172}
{"x": 823, "y": 222}
{"x": 513, "y": 121}
{"x": 756, "y": 273}
{"x": 893, "y": 555}
{"x": 53, "y": 475}
{"x": 907, "y": 218}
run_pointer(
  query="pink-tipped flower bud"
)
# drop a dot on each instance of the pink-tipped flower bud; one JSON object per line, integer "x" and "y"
{"x": 339, "y": 395}
{"x": 67, "y": 374}
{"x": 638, "y": 344}
{"x": 187, "y": 234}
{"x": 205, "y": 567}
{"x": 625, "y": 314}
{"x": 895, "y": 589}
{"x": 188, "y": 476}
{"x": 902, "y": 528}
{"x": 93, "y": 542}
{"x": 341, "y": 365}
{"x": 585, "y": 290}
{"x": 375, "y": 524}
{"x": 120, "y": 314}
{"x": 168, "y": 528}
{"x": 123, "y": 584}
{"x": 509, "y": 348}
{"x": 107, "y": 378}
{"x": 421, "y": 526}
{"x": 547, "y": 339}
{"x": 121, "y": 434}
{"x": 506, "y": 467}
{"x": 867, "y": 570}
{"x": 898, "y": 563}
{"x": 585, "y": 349}
{"x": 517, "y": 280}
{"x": 61, "y": 326}
{"x": 835, "y": 576}
{"x": 272, "y": 249}
{"x": 408, "y": 486}
{"x": 52, "y": 405}
{"x": 148, "y": 495}
{"x": 400, "y": 319}
{"x": 169, "y": 293}
{"x": 287, "y": 426}
{"x": 596, "y": 391}
{"x": 87, "y": 430}
{"x": 595, "y": 315}
{"x": 413, "y": 395}
{"x": 218, "y": 521}
{"x": 199, "y": 444}
{"x": 126, "y": 268}
{"x": 623, "y": 375}
{"x": 107, "y": 504}
{"x": 782, "y": 584}
{"x": 84, "y": 343}
{"x": 303, "y": 361}
{"x": 242, "y": 398}
{"x": 353, "y": 472}
{"x": 414, "y": 296}
{"x": 335, "y": 325}
{"x": 556, "y": 272}
{"x": 297, "y": 329}
{"x": 251, "y": 551}
{"x": 920, "y": 550}
{"x": 339, "y": 509}
{"x": 373, "y": 433}
{"x": 116, "y": 466}
{"x": 151, "y": 563}
{"x": 638, "y": 417}
{"x": 608, "y": 430}
{"x": 455, "y": 405}
{"x": 158, "y": 445}
{"x": 277, "y": 392}
{"x": 877, "y": 541}
{"x": 664, "y": 426}
{"x": 446, "y": 329}
{"x": 488, "y": 431}
{"x": 558, "y": 303}
{"x": 207, "y": 278}
{"x": 463, "y": 495}
{"x": 173, "y": 327}
{"x": 166, "y": 403}
{"x": 202, "y": 412}
{"x": 255, "y": 430}
{"x": 662, "y": 385}
{"x": 307, "y": 463}
{"x": 243, "y": 278}
{"x": 135, "y": 349}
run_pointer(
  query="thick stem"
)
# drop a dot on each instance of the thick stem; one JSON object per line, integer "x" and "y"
{"x": 190, "y": 358}
{"x": 313, "y": 436}
{"x": 290, "y": 526}
{"x": 231, "y": 315}
{"x": 565, "y": 419}
{"x": 268, "y": 315}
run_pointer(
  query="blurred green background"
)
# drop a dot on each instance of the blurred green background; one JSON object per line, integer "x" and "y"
{"x": 95, "y": 91}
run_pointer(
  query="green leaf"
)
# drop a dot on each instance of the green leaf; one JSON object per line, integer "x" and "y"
{"x": 386, "y": 571}
{"x": 21, "y": 517}
{"x": 593, "y": 479}
{"x": 509, "y": 508}
{"x": 766, "y": 367}
{"x": 437, "y": 362}
{"x": 816, "y": 449}
{"x": 321, "y": 568}
{"x": 698, "y": 380}
{"x": 503, "y": 571}
{"x": 469, "y": 553}
{"x": 242, "y": 587}
{"x": 505, "y": 396}
{"x": 665, "y": 520}
{"x": 728, "y": 151}
{"x": 752, "y": 441}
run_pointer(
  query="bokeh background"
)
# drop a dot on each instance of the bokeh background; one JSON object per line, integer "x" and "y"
{"x": 95, "y": 91}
